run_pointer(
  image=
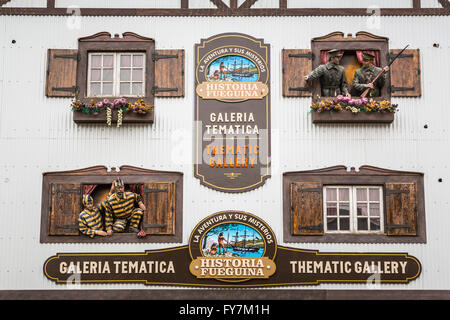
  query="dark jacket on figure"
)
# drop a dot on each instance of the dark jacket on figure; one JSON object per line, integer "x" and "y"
{"x": 332, "y": 79}
{"x": 366, "y": 75}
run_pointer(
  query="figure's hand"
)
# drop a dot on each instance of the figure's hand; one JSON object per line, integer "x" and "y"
{"x": 305, "y": 78}
{"x": 369, "y": 85}
{"x": 386, "y": 69}
{"x": 109, "y": 232}
{"x": 348, "y": 95}
{"x": 100, "y": 233}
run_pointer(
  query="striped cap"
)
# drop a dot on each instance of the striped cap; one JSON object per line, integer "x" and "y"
{"x": 87, "y": 199}
{"x": 118, "y": 183}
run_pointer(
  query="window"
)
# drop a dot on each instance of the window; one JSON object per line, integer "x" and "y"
{"x": 371, "y": 205}
{"x": 62, "y": 193}
{"x": 402, "y": 80}
{"x": 355, "y": 209}
{"x": 116, "y": 74}
{"x": 119, "y": 66}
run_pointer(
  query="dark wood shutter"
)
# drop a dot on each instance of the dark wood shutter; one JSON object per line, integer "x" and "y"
{"x": 61, "y": 73}
{"x": 306, "y": 208}
{"x": 405, "y": 74}
{"x": 169, "y": 73}
{"x": 401, "y": 209}
{"x": 65, "y": 207}
{"x": 297, "y": 63}
{"x": 159, "y": 199}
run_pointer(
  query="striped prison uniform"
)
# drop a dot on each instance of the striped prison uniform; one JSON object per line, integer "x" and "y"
{"x": 89, "y": 221}
{"x": 119, "y": 211}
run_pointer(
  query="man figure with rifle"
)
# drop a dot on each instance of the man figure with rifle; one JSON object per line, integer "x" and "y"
{"x": 369, "y": 84}
{"x": 364, "y": 77}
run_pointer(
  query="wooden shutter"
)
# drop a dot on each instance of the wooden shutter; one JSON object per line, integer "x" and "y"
{"x": 401, "y": 209}
{"x": 306, "y": 208}
{"x": 169, "y": 73}
{"x": 65, "y": 207}
{"x": 297, "y": 63}
{"x": 159, "y": 199}
{"x": 405, "y": 74}
{"x": 61, "y": 73}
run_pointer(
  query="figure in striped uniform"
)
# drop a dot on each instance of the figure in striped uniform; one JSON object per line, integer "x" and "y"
{"x": 120, "y": 208}
{"x": 90, "y": 219}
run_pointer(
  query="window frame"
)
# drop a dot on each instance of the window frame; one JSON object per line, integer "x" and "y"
{"x": 361, "y": 41}
{"x": 100, "y": 175}
{"x": 102, "y": 42}
{"x": 353, "y": 209}
{"x": 116, "y": 80}
{"x": 365, "y": 176}
{"x": 105, "y": 43}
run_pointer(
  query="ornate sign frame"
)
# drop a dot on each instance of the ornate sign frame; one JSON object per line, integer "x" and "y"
{"x": 232, "y": 112}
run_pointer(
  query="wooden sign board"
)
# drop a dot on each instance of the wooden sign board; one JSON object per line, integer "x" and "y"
{"x": 232, "y": 112}
{"x": 232, "y": 249}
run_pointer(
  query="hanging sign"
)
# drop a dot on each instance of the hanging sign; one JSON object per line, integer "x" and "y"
{"x": 232, "y": 249}
{"x": 232, "y": 112}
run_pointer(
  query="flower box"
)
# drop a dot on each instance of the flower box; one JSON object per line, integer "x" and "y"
{"x": 347, "y": 110}
{"x": 129, "y": 117}
{"x": 117, "y": 112}
{"x": 350, "y": 117}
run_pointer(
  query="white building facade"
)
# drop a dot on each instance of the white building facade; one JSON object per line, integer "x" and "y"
{"x": 38, "y": 134}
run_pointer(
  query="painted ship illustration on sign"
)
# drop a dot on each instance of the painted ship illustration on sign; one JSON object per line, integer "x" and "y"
{"x": 233, "y": 240}
{"x": 232, "y": 68}
{"x": 244, "y": 246}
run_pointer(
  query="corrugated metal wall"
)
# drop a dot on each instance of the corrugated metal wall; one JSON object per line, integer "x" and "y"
{"x": 209, "y": 4}
{"x": 37, "y": 134}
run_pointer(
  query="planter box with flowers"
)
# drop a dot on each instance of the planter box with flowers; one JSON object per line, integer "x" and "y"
{"x": 347, "y": 110}
{"x": 118, "y": 112}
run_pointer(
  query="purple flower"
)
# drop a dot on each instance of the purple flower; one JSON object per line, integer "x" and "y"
{"x": 365, "y": 100}
{"x": 351, "y": 102}
{"x": 115, "y": 102}
{"x": 358, "y": 102}
{"x": 340, "y": 97}
{"x": 100, "y": 104}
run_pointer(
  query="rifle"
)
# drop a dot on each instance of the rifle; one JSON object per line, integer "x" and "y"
{"x": 382, "y": 72}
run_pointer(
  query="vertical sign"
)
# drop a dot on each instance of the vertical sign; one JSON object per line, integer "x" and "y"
{"x": 232, "y": 112}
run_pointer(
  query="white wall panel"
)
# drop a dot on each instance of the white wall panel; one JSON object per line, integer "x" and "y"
{"x": 168, "y": 4}
{"x": 37, "y": 135}
{"x": 204, "y": 4}
{"x": 349, "y": 3}
{"x": 27, "y": 3}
